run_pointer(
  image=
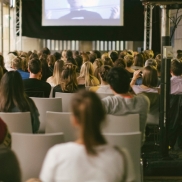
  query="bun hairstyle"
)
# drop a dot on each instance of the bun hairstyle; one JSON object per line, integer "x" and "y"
{"x": 68, "y": 80}
{"x": 87, "y": 108}
{"x": 104, "y": 70}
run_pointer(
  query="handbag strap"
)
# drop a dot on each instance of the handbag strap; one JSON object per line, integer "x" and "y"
{"x": 124, "y": 163}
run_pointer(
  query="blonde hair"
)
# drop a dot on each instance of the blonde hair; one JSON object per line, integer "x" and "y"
{"x": 58, "y": 67}
{"x": 87, "y": 72}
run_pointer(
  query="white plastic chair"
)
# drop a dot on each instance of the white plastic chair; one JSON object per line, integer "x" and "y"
{"x": 132, "y": 142}
{"x": 46, "y": 104}
{"x": 17, "y": 121}
{"x": 121, "y": 124}
{"x": 60, "y": 122}
{"x": 31, "y": 149}
{"x": 66, "y": 98}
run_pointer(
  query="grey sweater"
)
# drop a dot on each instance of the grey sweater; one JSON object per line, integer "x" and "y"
{"x": 118, "y": 105}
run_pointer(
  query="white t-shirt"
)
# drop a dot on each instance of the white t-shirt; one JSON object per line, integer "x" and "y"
{"x": 176, "y": 85}
{"x": 70, "y": 162}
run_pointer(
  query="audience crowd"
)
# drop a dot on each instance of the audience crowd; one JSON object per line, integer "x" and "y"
{"x": 131, "y": 78}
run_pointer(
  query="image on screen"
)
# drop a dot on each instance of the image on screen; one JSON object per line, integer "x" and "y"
{"x": 82, "y": 12}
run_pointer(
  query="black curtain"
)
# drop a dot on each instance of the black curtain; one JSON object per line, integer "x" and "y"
{"x": 132, "y": 30}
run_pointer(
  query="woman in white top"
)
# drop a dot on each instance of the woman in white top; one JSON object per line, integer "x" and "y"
{"x": 89, "y": 158}
{"x": 149, "y": 80}
{"x": 55, "y": 79}
{"x": 104, "y": 87}
{"x": 86, "y": 77}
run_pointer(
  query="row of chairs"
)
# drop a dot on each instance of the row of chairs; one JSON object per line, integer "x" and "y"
{"x": 122, "y": 131}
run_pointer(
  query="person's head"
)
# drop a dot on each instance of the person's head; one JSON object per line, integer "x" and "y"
{"x": 103, "y": 72}
{"x": 151, "y": 62}
{"x": 85, "y": 57}
{"x": 68, "y": 79}
{"x": 104, "y": 55}
{"x": 119, "y": 80}
{"x": 69, "y": 54}
{"x": 108, "y": 61}
{"x": 71, "y": 60}
{"x": 57, "y": 55}
{"x": 92, "y": 57}
{"x": 17, "y": 63}
{"x": 46, "y": 51}
{"x": 176, "y": 67}
{"x": 88, "y": 115}
{"x": 98, "y": 54}
{"x": 179, "y": 54}
{"x": 33, "y": 56}
{"x": 11, "y": 91}
{"x": 51, "y": 60}
{"x": 119, "y": 62}
{"x": 138, "y": 60}
{"x": 1, "y": 61}
{"x": 129, "y": 60}
{"x": 149, "y": 53}
{"x": 86, "y": 69}
{"x": 24, "y": 63}
{"x": 150, "y": 78}
{"x": 114, "y": 55}
{"x": 79, "y": 61}
{"x": 122, "y": 54}
{"x": 34, "y": 66}
{"x": 75, "y": 3}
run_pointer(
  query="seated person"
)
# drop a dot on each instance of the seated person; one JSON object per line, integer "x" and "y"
{"x": 176, "y": 79}
{"x": 9, "y": 167}
{"x": 86, "y": 77}
{"x": 34, "y": 87}
{"x": 104, "y": 87}
{"x": 149, "y": 80}
{"x": 123, "y": 102}
{"x": 87, "y": 158}
{"x": 17, "y": 65}
{"x": 68, "y": 82}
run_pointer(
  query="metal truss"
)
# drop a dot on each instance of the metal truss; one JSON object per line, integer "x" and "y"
{"x": 148, "y": 27}
{"x": 18, "y": 24}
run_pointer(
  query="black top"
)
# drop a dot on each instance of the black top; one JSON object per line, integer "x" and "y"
{"x": 36, "y": 88}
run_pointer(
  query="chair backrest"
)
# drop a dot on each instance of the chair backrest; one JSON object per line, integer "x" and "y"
{"x": 31, "y": 149}
{"x": 121, "y": 124}
{"x": 17, "y": 121}
{"x": 132, "y": 142}
{"x": 46, "y": 104}
{"x": 103, "y": 95}
{"x": 66, "y": 98}
{"x": 60, "y": 122}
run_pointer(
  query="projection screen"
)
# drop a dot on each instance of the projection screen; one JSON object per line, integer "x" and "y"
{"x": 82, "y": 13}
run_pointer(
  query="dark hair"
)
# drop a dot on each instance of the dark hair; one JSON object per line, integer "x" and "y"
{"x": 69, "y": 54}
{"x": 12, "y": 93}
{"x": 57, "y": 55}
{"x": 120, "y": 62}
{"x": 108, "y": 61}
{"x": 71, "y": 60}
{"x": 89, "y": 111}
{"x": 176, "y": 67}
{"x": 33, "y": 56}
{"x": 119, "y": 79}
{"x": 138, "y": 60}
{"x": 79, "y": 61}
{"x": 92, "y": 57}
{"x": 2, "y": 61}
{"x": 34, "y": 66}
{"x": 150, "y": 78}
{"x": 46, "y": 51}
{"x": 103, "y": 71}
{"x": 98, "y": 53}
{"x": 114, "y": 56}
